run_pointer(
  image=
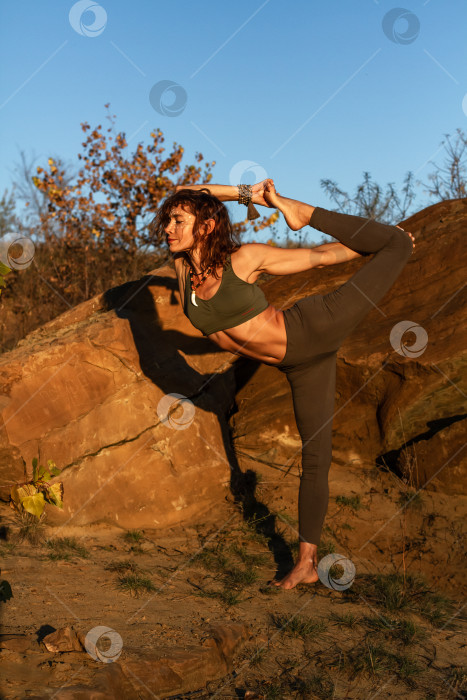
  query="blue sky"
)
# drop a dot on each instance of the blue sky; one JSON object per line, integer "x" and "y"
{"x": 297, "y": 91}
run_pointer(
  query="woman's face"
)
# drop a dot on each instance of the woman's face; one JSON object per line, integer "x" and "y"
{"x": 179, "y": 230}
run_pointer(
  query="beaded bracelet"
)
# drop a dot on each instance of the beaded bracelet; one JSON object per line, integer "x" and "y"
{"x": 244, "y": 197}
{"x": 244, "y": 194}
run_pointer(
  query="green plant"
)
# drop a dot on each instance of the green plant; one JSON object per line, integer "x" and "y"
{"x": 370, "y": 201}
{"x": 133, "y": 536}
{"x": 251, "y": 530}
{"x": 326, "y": 547}
{"x": 121, "y": 566}
{"x": 7, "y": 548}
{"x": 298, "y": 625}
{"x": 228, "y": 597}
{"x": 351, "y": 501}
{"x": 328, "y": 530}
{"x": 344, "y": 620}
{"x": 255, "y": 655}
{"x": 404, "y": 631}
{"x": 457, "y": 679}
{"x": 274, "y": 692}
{"x": 393, "y": 592}
{"x": 65, "y": 548}
{"x": 289, "y": 519}
{"x": 134, "y": 583}
{"x": 269, "y": 590}
{"x": 410, "y": 499}
{"x": 234, "y": 576}
{"x": 373, "y": 660}
{"x": 210, "y": 559}
{"x": 321, "y": 685}
{"x": 28, "y": 499}
{"x": 247, "y": 557}
{"x": 32, "y": 495}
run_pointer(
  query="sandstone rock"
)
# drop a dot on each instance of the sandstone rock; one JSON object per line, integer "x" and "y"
{"x": 163, "y": 671}
{"x": 169, "y": 670}
{"x": 84, "y": 390}
{"x": 109, "y": 684}
{"x": 63, "y": 639}
{"x": 16, "y": 642}
{"x": 388, "y": 405}
{"x": 227, "y": 639}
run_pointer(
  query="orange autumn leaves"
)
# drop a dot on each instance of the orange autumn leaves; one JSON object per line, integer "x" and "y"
{"x": 116, "y": 192}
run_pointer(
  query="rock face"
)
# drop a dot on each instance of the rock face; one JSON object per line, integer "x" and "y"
{"x": 97, "y": 390}
{"x": 407, "y": 411}
{"x": 90, "y": 390}
{"x": 162, "y": 671}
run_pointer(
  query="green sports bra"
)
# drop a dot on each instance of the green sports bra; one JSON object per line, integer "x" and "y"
{"x": 235, "y": 302}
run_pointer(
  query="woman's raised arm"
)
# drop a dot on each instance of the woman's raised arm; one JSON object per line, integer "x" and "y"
{"x": 226, "y": 193}
{"x": 229, "y": 193}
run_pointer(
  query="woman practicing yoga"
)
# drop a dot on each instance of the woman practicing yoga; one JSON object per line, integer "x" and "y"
{"x": 216, "y": 275}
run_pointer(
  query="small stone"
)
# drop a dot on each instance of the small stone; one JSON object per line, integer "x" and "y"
{"x": 15, "y": 642}
{"x": 63, "y": 639}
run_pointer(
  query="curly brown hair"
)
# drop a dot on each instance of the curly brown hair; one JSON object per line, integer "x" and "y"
{"x": 213, "y": 248}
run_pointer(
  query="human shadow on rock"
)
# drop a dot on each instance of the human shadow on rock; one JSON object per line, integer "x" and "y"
{"x": 164, "y": 365}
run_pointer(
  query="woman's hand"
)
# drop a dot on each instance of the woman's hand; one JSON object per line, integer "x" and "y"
{"x": 263, "y": 193}
{"x": 259, "y": 192}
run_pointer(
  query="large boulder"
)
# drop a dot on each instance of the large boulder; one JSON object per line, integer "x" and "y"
{"x": 98, "y": 391}
{"x": 91, "y": 391}
{"x": 404, "y": 411}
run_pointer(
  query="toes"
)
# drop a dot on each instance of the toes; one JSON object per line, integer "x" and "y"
{"x": 409, "y": 234}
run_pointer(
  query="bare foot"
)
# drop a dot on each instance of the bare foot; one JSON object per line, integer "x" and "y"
{"x": 303, "y": 572}
{"x": 297, "y": 214}
{"x": 305, "y": 569}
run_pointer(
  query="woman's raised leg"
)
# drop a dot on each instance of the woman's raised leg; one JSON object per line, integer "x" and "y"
{"x": 352, "y": 301}
{"x": 327, "y": 319}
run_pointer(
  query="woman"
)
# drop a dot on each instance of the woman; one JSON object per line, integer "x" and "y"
{"x": 216, "y": 276}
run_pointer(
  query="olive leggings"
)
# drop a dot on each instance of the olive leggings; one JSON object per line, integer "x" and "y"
{"x": 316, "y": 326}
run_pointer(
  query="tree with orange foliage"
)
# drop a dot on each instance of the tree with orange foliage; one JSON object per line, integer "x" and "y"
{"x": 92, "y": 231}
{"x": 106, "y": 213}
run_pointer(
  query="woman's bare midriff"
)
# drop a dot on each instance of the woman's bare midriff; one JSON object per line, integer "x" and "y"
{"x": 262, "y": 338}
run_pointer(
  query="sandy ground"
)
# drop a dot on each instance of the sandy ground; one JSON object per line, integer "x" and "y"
{"x": 83, "y": 591}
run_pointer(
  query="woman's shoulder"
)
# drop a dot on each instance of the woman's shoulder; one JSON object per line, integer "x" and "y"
{"x": 245, "y": 261}
{"x": 248, "y": 252}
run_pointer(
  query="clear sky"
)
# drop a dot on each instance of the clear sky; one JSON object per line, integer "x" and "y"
{"x": 297, "y": 91}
